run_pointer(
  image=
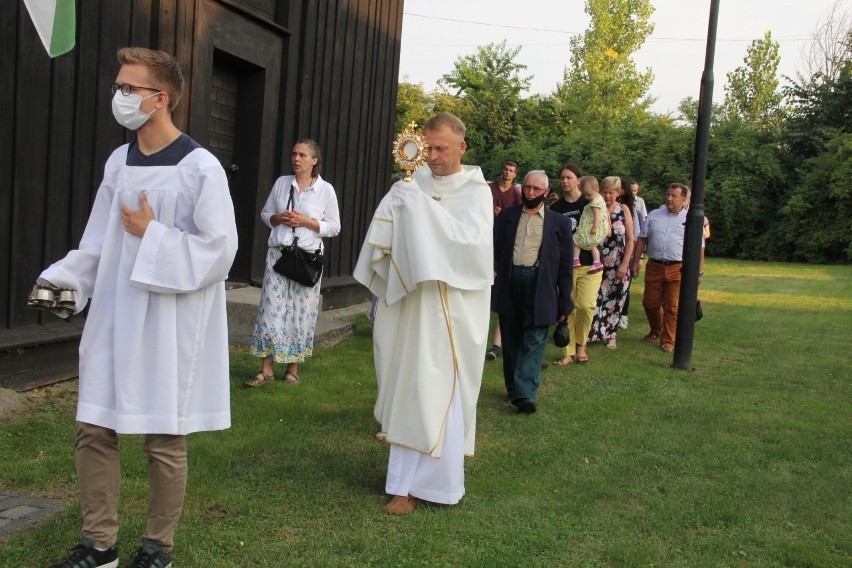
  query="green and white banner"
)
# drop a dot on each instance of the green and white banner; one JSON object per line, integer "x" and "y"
{"x": 55, "y": 23}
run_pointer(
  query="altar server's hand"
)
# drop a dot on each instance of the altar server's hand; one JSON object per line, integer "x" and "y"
{"x": 136, "y": 221}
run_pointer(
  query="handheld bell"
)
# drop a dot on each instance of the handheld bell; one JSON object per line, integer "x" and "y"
{"x": 41, "y": 297}
{"x": 60, "y": 301}
{"x": 65, "y": 303}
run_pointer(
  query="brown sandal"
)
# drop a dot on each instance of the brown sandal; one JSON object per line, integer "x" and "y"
{"x": 291, "y": 378}
{"x": 259, "y": 379}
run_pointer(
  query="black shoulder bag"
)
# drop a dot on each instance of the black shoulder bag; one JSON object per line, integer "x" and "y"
{"x": 297, "y": 264}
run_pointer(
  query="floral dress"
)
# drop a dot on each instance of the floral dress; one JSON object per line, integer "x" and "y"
{"x": 613, "y": 290}
{"x": 286, "y": 317}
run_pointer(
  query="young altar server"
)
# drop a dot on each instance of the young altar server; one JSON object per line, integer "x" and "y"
{"x": 153, "y": 259}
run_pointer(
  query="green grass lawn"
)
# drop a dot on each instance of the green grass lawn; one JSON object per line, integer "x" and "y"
{"x": 744, "y": 461}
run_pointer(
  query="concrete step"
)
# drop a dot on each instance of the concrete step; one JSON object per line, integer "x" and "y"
{"x": 333, "y": 326}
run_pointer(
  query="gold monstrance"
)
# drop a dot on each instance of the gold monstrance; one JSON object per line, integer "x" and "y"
{"x": 410, "y": 150}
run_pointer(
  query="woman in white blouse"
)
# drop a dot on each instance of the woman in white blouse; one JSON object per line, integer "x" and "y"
{"x": 287, "y": 315}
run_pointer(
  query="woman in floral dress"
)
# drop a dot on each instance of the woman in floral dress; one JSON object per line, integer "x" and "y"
{"x": 302, "y": 206}
{"x": 617, "y": 249}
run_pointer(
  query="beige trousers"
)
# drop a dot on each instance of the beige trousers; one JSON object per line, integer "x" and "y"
{"x": 99, "y": 475}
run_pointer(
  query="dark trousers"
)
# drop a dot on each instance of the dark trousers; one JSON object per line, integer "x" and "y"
{"x": 523, "y": 341}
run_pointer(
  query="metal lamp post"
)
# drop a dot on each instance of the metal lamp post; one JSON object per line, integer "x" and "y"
{"x": 695, "y": 216}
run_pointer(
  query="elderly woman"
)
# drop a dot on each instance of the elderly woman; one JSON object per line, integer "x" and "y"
{"x": 303, "y": 206}
{"x": 616, "y": 255}
{"x": 586, "y": 284}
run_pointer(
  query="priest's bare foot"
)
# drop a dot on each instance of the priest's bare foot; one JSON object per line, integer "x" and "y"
{"x": 400, "y": 505}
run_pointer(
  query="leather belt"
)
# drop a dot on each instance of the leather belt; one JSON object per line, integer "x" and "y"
{"x": 666, "y": 262}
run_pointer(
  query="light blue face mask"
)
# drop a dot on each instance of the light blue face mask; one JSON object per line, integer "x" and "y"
{"x": 125, "y": 109}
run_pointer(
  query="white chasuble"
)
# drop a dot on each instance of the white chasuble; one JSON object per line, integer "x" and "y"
{"x": 428, "y": 258}
{"x": 154, "y": 351}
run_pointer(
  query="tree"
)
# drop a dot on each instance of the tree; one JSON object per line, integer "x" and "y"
{"x": 830, "y": 45}
{"x": 817, "y": 137}
{"x": 746, "y": 186}
{"x": 822, "y": 107}
{"x": 819, "y": 212}
{"x": 687, "y": 112}
{"x": 602, "y": 85}
{"x": 779, "y": 162}
{"x": 489, "y": 82}
{"x": 752, "y": 94}
{"x": 413, "y": 103}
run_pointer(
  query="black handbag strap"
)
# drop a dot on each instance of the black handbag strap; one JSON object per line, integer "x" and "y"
{"x": 292, "y": 207}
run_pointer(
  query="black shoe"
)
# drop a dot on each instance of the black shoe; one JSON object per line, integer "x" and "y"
{"x": 85, "y": 554}
{"x": 150, "y": 555}
{"x": 525, "y": 406}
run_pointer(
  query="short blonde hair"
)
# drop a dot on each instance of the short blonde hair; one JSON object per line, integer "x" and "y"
{"x": 164, "y": 68}
{"x": 611, "y": 182}
{"x": 586, "y": 181}
{"x": 445, "y": 119}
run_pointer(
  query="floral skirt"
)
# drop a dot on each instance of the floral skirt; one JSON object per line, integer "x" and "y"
{"x": 611, "y": 298}
{"x": 286, "y": 317}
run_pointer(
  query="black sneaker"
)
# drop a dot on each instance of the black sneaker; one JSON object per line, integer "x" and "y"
{"x": 492, "y": 353}
{"x": 85, "y": 555}
{"x": 150, "y": 555}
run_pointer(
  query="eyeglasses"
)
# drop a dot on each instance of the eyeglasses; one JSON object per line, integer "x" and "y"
{"x": 532, "y": 188}
{"x": 127, "y": 89}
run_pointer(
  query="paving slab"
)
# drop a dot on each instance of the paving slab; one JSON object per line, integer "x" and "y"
{"x": 333, "y": 326}
{"x": 19, "y": 511}
{"x": 10, "y": 399}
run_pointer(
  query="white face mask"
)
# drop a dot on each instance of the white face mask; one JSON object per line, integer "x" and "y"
{"x": 125, "y": 109}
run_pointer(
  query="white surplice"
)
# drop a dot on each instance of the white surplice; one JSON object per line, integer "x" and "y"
{"x": 154, "y": 351}
{"x": 428, "y": 258}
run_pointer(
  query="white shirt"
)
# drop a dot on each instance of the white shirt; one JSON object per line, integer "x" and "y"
{"x": 640, "y": 211}
{"x": 640, "y": 207}
{"x": 319, "y": 202}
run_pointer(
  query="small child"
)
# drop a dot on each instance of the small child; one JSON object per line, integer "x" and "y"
{"x": 594, "y": 225}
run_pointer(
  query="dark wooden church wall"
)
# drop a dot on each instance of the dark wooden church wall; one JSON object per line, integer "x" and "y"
{"x": 345, "y": 99}
{"x": 337, "y": 84}
{"x": 55, "y": 107}
{"x": 57, "y": 132}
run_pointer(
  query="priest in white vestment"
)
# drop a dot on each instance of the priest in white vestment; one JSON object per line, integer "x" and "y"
{"x": 428, "y": 258}
{"x": 153, "y": 259}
